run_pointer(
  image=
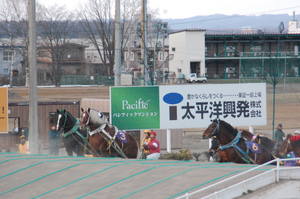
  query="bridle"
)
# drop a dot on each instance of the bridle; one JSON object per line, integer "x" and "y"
{"x": 88, "y": 119}
{"x": 64, "y": 115}
{"x": 216, "y": 129}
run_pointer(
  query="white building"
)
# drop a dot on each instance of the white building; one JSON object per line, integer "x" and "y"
{"x": 10, "y": 59}
{"x": 187, "y": 52}
{"x": 294, "y": 26}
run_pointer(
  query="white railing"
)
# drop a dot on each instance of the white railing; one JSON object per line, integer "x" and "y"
{"x": 269, "y": 172}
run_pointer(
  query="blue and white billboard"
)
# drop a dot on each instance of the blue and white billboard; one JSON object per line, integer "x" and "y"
{"x": 195, "y": 106}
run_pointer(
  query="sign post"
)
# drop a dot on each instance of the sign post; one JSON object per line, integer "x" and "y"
{"x": 4, "y": 109}
{"x": 169, "y": 144}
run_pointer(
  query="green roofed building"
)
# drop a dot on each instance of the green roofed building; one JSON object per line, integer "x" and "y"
{"x": 254, "y": 55}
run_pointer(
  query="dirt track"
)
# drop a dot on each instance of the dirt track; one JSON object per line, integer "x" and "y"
{"x": 17, "y": 94}
{"x": 287, "y": 101}
{"x": 42, "y": 176}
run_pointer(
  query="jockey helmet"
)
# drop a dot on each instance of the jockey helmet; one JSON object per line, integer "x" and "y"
{"x": 153, "y": 133}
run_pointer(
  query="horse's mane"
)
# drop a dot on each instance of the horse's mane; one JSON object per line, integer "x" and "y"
{"x": 71, "y": 116}
{"x": 228, "y": 127}
{"x": 266, "y": 142}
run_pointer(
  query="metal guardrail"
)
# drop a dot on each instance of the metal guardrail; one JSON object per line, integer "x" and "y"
{"x": 86, "y": 80}
{"x": 215, "y": 194}
{"x": 253, "y": 54}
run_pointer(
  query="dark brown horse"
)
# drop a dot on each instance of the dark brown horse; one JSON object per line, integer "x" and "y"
{"x": 290, "y": 144}
{"x": 73, "y": 137}
{"x": 106, "y": 139}
{"x": 239, "y": 146}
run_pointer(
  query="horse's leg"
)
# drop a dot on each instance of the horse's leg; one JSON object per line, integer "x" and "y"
{"x": 68, "y": 146}
{"x": 95, "y": 142}
{"x": 221, "y": 156}
{"x": 234, "y": 156}
{"x": 103, "y": 149}
{"x": 131, "y": 148}
{"x": 80, "y": 149}
{"x": 78, "y": 146}
{"x": 218, "y": 157}
{"x": 69, "y": 150}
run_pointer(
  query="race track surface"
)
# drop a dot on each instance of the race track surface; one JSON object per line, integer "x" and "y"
{"x": 44, "y": 176}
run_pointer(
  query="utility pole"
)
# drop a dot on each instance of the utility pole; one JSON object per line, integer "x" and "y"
{"x": 33, "y": 112}
{"x": 144, "y": 24}
{"x": 117, "y": 58}
{"x": 158, "y": 30}
{"x": 165, "y": 31}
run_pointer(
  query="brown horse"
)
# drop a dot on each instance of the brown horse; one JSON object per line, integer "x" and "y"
{"x": 239, "y": 146}
{"x": 289, "y": 145}
{"x": 106, "y": 139}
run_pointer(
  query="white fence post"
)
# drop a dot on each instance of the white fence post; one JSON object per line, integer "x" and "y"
{"x": 277, "y": 169}
{"x": 216, "y": 195}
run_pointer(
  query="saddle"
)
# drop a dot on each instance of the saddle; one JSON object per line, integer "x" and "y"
{"x": 253, "y": 147}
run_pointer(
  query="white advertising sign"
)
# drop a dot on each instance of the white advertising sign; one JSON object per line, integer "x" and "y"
{"x": 195, "y": 106}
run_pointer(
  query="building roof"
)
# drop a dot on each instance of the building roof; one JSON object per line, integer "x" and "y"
{"x": 188, "y": 30}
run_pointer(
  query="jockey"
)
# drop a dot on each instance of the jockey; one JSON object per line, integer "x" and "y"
{"x": 24, "y": 145}
{"x": 278, "y": 135}
{"x": 153, "y": 146}
{"x": 145, "y": 142}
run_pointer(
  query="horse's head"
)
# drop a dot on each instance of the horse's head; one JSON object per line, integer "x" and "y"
{"x": 213, "y": 145}
{"x": 85, "y": 117}
{"x": 61, "y": 118}
{"x": 212, "y": 130}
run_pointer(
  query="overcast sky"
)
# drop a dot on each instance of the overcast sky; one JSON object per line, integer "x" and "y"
{"x": 189, "y": 8}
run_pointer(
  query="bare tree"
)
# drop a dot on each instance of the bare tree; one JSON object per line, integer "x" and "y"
{"x": 13, "y": 22}
{"x": 13, "y": 14}
{"x": 156, "y": 36}
{"x": 98, "y": 22}
{"x": 13, "y": 17}
{"x": 56, "y": 25}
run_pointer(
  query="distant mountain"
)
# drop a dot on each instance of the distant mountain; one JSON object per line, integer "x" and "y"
{"x": 219, "y": 22}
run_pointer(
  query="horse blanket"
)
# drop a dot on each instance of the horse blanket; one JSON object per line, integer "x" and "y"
{"x": 295, "y": 138}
